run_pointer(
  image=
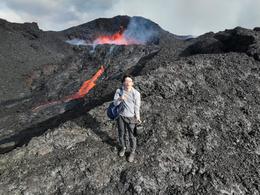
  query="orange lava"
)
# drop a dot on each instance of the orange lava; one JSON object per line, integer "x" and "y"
{"x": 89, "y": 84}
{"x": 118, "y": 39}
{"x": 84, "y": 89}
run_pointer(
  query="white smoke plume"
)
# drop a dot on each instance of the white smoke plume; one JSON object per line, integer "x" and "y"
{"x": 141, "y": 30}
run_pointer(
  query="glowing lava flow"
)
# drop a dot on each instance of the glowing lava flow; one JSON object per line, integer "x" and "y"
{"x": 88, "y": 85}
{"x": 118, "y": 38}
{"x": 84, "y": 89}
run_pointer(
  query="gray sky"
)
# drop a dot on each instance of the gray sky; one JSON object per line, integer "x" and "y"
{"x": 183, "y": 17}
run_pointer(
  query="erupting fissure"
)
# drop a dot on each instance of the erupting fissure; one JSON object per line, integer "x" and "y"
{"x": 88, "y": 85}
{"x": 84, "y": 89}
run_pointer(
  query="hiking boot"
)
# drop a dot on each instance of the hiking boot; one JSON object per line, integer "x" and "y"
{"x": 122, "y": 151}
{"x": 131, "y": 157}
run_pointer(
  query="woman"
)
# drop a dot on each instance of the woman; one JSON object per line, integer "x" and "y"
{"x": 129, "y": 117}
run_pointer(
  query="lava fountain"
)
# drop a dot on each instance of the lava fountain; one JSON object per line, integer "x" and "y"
{"x": 118, "y": 38}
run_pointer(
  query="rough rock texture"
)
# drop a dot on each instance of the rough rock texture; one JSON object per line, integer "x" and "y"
{"x": 24, "y": 47}
{"x": 200, "y": 107}
{"x": 235, "y": 40}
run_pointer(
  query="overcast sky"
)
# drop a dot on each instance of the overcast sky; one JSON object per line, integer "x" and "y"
{"x": 183, "y": 17}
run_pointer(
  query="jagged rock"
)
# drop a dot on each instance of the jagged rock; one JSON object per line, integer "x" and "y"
{"x": 234, "y": 40}
{"x": 204, "y": 44}
{"x": 257, "y": 29}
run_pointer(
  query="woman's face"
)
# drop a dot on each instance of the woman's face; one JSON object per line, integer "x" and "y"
{"x": 128, "y": 82}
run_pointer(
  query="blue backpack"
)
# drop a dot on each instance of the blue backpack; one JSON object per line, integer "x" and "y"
{"x": 114, "y": 111}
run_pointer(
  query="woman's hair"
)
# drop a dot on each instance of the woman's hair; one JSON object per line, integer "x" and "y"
{"x": 127, "y": 75}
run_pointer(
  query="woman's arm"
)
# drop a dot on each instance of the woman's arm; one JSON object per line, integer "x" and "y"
{"x": 137, "y": 105}
{"x": 117, "y": 99}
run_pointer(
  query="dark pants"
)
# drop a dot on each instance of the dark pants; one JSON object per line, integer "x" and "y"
{"x": 126, "y": 132}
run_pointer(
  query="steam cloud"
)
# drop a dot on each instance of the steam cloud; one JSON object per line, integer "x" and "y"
{"x": 76, "y": 42}
{"x": 141, "y": 30}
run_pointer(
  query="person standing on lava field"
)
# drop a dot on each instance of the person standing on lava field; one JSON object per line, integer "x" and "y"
{"x": 129, "y": 117}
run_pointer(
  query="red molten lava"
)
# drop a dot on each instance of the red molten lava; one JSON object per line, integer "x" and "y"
{"x": 88, "y": 85}
{"x": 84, "y": 89}
{"x": 118, "y": 38}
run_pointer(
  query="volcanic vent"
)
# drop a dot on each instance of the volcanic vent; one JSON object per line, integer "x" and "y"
{"x": 122, "y": 31}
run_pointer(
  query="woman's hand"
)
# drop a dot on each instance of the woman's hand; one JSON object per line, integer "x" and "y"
{"x": 123, "y": 97}
{"x": 138, "y": 119}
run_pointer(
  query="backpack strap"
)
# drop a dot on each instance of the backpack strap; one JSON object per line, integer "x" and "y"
{"x": 121, "y": 91}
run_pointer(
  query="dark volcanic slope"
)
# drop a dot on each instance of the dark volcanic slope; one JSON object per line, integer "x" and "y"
{"x": 24, "y": 47}
{"x": 200, "y": 106}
